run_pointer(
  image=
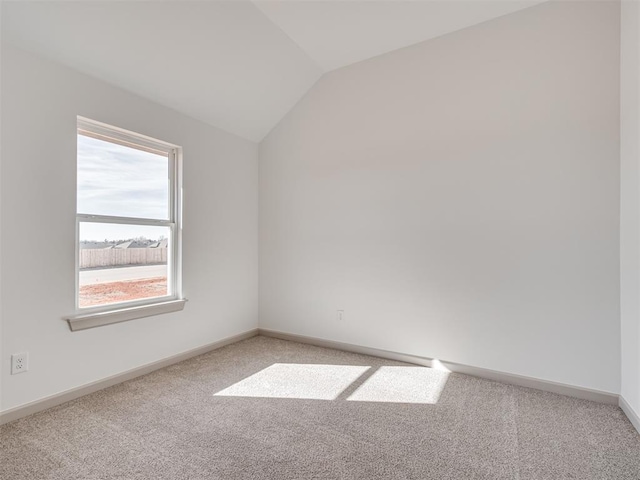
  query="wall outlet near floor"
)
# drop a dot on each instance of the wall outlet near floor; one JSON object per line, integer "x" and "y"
{"x": 340, "y": 315}
{"x": 19, "y": 363}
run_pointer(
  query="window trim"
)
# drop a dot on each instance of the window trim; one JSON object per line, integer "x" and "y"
{"x": 99, "y": 319}
{"x": 89, "y": 317}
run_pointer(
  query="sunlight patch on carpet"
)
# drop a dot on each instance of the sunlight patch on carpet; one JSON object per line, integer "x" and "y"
{"x": 293, "y": 380}
{"x": 402, "y": 385}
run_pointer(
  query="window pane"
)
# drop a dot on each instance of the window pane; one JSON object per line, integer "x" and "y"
{"x": 121, "y": 181}
{"x": 122, "y": 263}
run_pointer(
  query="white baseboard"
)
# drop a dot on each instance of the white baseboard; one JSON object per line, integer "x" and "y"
{"x": 563, "y": 389}
{"x": 631, "y": 414}
{"x": 68, "y": 395}
{"x": 530, "y": 382}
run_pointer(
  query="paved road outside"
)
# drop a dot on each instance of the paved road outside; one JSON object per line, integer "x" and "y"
{"x": 106, "y": 275}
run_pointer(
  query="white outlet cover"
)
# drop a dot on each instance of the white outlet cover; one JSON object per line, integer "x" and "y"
{"x": 19, "y": 363}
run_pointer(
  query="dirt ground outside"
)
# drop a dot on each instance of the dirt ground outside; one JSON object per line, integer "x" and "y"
{"x": 123, "y": 291}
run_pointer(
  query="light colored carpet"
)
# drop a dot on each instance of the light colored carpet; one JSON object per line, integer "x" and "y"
{"x": 271, "y": 409}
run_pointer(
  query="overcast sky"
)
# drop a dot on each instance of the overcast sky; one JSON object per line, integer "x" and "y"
{"x": 121, "y": 181}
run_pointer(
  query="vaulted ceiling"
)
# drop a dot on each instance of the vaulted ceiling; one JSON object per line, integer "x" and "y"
{"x": 237, "y": 65}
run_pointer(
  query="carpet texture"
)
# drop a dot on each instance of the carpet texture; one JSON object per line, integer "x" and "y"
{"x": 272, "y": 409}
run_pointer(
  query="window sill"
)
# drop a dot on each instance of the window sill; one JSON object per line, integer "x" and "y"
{"x": 98, "y": 319}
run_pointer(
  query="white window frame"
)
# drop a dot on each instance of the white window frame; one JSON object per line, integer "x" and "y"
{"x": 89, "y": 317}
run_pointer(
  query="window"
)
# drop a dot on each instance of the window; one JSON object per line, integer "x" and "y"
{"x": 127, "y": 226}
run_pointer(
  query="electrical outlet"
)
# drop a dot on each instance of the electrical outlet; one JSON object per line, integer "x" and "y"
{"x": 340, "y": 315}
{"x": 19, "y": 363}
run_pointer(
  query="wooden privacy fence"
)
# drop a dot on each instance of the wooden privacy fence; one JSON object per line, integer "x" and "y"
{"x": 112, "y": 257}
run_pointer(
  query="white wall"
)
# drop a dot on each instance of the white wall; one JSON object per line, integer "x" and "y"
{"x": 459, "y": 199}
{"x": 40, "y": 102}
{"x": 630, "y": 204}
{"x": 1, "y": 323}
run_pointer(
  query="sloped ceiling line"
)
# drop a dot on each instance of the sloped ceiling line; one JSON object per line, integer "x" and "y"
{"x": 237, "y": 65}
